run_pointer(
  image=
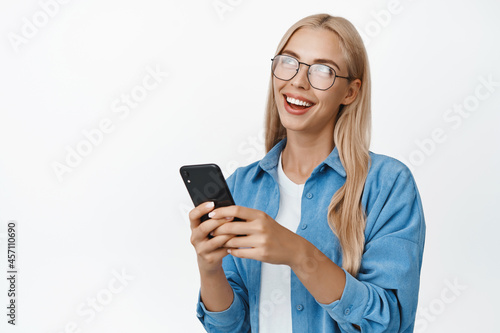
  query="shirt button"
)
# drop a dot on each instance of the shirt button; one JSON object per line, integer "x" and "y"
{"x": 300, "y": 307}
{"x": 309, "y": 195}
{"x": 304, "y": 226}
{"x": 347, "y": 311}
{"x": 322, "y": 169}
{"x": 199, "y": 315}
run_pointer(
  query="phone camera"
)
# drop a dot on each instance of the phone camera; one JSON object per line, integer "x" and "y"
{"x": 186, "y": 176}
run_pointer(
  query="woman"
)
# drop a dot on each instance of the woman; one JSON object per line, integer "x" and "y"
{"x": 333, "y": 234}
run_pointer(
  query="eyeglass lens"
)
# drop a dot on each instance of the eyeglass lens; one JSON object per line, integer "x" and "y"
{"x": 320, "y": 76}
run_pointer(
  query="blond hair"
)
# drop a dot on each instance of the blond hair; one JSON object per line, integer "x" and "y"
{"x": 351, "y": 136}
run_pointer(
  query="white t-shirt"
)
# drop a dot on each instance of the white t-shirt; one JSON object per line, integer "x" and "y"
{"x": 275, "y": 309}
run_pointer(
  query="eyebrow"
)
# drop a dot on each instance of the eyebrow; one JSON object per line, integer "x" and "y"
{"x": 325, "y": 61}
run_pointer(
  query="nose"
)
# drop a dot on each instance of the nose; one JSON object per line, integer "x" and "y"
{"x": 300, "y": 79}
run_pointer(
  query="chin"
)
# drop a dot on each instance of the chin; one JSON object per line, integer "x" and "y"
{"x": 292, "y": 124}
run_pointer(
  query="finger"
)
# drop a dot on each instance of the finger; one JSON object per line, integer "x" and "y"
{"x": 196, "y": 213}
{"x": 244, "y": 253}
{"x": 226, "y": 219}
{"x": 210, "y": 245}
{"x": 204, "y": 229}
{"x": 235, "y": 228}
{"x": 243, "y": 241}
{"x": 216, "y": 255}
{"x": 244, "y": 213}
{"x": 219, "y": 241}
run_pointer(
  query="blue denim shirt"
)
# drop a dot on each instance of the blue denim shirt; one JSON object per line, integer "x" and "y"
{"x": 382, "y": 297}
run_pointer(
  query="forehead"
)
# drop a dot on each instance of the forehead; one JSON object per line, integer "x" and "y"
{"x": 315, "y": 43}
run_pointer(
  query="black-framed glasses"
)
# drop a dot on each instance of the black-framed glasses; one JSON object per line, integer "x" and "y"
{"x": 321, "y": 77}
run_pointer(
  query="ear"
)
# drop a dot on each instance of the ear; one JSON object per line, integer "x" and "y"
{"x": 352, "y": 92}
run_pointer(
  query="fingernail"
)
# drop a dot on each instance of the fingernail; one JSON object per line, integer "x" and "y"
{"x": 228, "y": 217}
{"x": 209, "y": 204}
{"x": 228, "y": 250}
{"x": 211, "y": 233}
{"x": 211, "y": 214}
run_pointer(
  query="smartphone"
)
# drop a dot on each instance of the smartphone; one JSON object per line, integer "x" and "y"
{"x": 205, "y": 182}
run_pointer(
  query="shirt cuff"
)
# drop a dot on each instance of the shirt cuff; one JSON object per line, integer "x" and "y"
{"x": 235, "y": 313}
{"x": 352, "y": 304}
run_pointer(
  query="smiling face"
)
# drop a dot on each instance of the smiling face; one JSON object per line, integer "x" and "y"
{"x": 313, "y": 46}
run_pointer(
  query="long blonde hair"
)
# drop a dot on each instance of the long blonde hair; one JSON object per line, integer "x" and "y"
{"x": 351, "y": 135}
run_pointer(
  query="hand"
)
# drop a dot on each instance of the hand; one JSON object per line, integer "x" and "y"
{"x": 209, "y": 251}
{"x": 264, "y": 239}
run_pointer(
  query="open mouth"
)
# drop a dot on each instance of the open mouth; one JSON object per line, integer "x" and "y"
{"x": 296, "y": 104}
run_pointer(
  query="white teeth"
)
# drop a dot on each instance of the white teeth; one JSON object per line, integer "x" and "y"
{"x": 297, "y": 102}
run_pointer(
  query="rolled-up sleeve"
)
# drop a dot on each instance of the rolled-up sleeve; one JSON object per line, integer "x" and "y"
{"x": 383, "y": 296}
{"x": 236, "y": 318}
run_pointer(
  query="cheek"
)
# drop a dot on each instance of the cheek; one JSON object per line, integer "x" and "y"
{"x": 277, "y": 86}
{"x": 331, "y": 100}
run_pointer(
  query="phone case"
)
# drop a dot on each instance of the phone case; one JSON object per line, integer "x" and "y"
{"x": 205, "y": 182}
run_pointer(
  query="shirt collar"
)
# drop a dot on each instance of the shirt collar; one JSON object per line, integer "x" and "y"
{"x": 270, "y": 161}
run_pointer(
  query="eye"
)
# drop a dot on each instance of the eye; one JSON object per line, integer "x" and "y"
{"x": 322, "y": 70}
{"x": 288, "y": 61}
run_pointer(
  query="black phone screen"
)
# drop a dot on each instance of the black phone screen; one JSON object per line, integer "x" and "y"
{"x": 205, "y": 182}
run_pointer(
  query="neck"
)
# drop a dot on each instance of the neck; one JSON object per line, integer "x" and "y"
{"x": 303, "y": 153}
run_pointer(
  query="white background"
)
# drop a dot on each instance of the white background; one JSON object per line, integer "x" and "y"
{"x": 123, "y": 207}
